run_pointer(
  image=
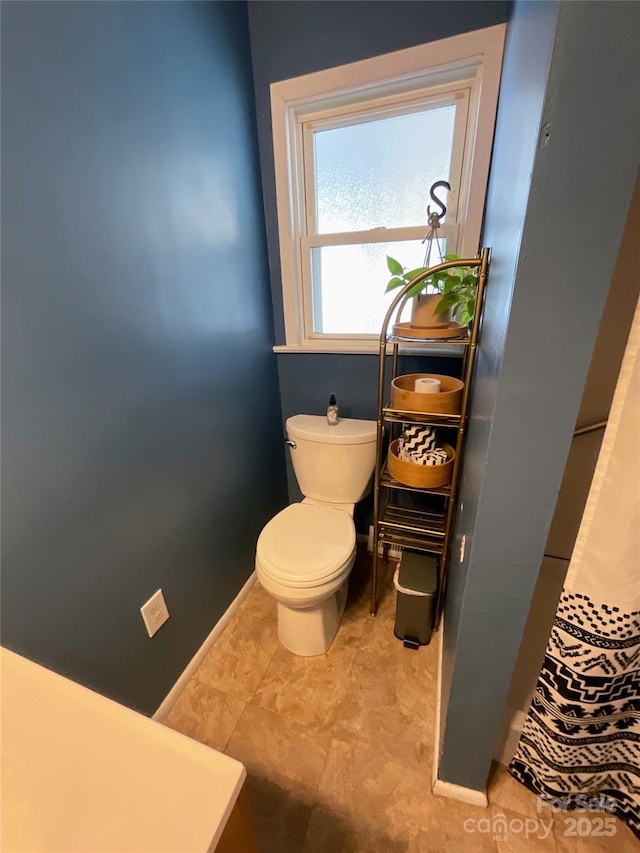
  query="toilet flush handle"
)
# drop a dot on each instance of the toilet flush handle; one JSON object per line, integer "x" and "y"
{"x": 291, "y": 444}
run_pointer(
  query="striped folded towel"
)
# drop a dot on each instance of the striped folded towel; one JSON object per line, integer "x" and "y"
{"x": 438, "y": 456}
{"x": 418, "y": 444}
{"x": 417, "y": 438}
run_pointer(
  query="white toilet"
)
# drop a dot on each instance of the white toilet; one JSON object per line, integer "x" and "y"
{"x": 305, "y": 553}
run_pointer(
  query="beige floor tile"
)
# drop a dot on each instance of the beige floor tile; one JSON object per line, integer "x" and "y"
{"x": 507, "y": 793}
{"x": 269, "y": 748}
{"x": 382, "y": 711}
{"x": 280, "y": 816}
{"x": 284, "y": 769}
{"x": 417, "y": 678}
{"x": 372, "y": 680}
{"x": 307, "y": 692}
{"x": 428, "y": 841}
{"x": 389, "y": 730}
{"x": 205, "y": 714}
{"x": 331, "y": 832}
{"x": 450, "y": 826}
{"x": 339, "y": 747}
{"x": 258, "y": 599}
{"x": 240, "y": 657}
{"x": 258, "y": 605}
{"x": 371, "y": 802}
{"x": 361, "y": 795}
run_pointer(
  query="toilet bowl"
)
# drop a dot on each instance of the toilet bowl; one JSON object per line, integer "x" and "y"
{"x": 305, "y": 553}
{"x": 303, "y": 559}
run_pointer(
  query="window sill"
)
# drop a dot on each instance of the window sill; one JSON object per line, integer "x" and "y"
{"x": 449, "y": 351}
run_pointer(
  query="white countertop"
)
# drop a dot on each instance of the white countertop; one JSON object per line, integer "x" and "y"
{"x": 82, "y": 773}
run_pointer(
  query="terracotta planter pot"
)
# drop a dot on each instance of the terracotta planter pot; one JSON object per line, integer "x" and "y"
{"x": 422, "y": 311}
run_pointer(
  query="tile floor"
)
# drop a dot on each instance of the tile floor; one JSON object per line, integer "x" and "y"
{"x": 339, "y": 747}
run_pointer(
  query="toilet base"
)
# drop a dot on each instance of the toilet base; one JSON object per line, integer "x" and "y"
{"x": 311, "y": 631}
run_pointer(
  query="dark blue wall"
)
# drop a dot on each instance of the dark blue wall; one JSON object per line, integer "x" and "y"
{"x": 293, "y": 38}
{"x": 308, "y": 379}
{"x": 141, "y": 426}
{"x": 547, "y": 289}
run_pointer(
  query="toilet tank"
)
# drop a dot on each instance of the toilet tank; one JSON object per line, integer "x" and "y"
{"x": 332, "y": 463}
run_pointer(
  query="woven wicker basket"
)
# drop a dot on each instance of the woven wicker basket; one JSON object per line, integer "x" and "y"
{"x": 447, "y": 402}
{"x": 420, "y": 476}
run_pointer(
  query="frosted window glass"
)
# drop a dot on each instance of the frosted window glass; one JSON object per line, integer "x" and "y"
{"x": 378, "y": 173}
{"x": 349, "y": 283}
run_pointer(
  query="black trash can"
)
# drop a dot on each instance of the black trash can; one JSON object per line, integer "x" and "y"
{"x": 416, "y": 581}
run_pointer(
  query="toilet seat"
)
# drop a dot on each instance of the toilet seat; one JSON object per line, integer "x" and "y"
{"x": 305, "y": 545}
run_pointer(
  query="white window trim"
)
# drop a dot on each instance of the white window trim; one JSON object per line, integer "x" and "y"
{"x": 475, "y": 56}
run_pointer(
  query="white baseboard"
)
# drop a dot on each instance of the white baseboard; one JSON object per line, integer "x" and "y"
{"x": 436, "y": 741}
{"x": 448, "y": 789}
{"x": 512, "y": 726}
{"x": 172, "y": 696}
{"x": 457, "y": 792}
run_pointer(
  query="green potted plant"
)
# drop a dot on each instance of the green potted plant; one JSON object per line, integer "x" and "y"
{"x": 450, "y": 293}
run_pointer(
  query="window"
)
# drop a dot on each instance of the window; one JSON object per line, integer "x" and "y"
{"x": 356, "y": 150}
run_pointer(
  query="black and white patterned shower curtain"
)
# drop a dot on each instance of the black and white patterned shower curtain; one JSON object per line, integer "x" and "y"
{"x": 580, "y": 745}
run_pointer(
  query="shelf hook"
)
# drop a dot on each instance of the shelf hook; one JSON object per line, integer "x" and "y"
{"x": 433, "y": 220}
{"x": 441, "y": 205}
